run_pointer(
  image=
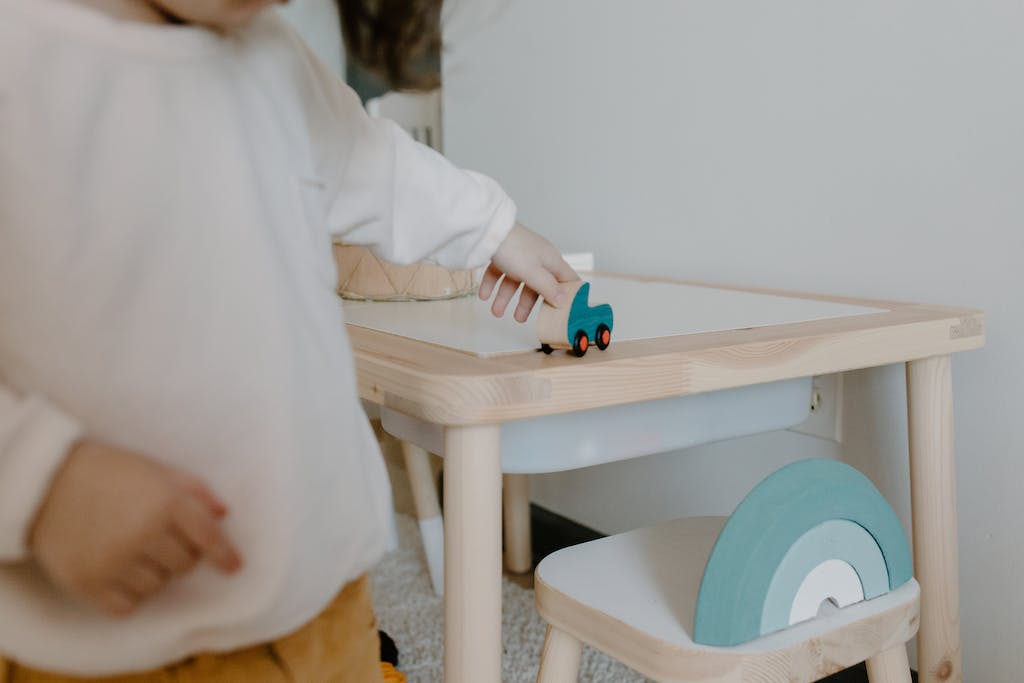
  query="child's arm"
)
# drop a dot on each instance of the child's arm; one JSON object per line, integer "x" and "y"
{"x": 407, "y": 203}
{"x": 108, "y": 526}
{"x": 34, "y": 439}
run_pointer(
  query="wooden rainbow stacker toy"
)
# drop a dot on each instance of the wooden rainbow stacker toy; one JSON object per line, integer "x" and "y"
{"x": 577, "y": 327}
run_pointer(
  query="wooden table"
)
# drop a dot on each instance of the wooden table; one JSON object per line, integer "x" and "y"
{"x": 472, "y": 396}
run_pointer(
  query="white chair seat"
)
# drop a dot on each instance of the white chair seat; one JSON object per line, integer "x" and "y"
{"x": 633, "y": 596}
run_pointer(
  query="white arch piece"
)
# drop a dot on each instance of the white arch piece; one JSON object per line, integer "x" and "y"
{"x": 832, "y": 580}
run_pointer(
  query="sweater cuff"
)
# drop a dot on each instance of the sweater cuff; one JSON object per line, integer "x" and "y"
{"x": 500, "y": 225}
{"x": 27, "y": 468}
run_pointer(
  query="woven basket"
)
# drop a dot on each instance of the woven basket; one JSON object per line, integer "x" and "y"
{"x": 361, "y": 275}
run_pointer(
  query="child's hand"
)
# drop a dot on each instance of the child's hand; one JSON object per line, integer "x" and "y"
{"x": 526, "y": 258}
{"x": 115, "y": 527}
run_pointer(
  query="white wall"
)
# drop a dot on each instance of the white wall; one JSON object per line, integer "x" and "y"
{"x": 871, "y": 148}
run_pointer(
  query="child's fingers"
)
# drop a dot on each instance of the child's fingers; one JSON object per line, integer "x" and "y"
{"x": 490, "y": 278}
{"x": 203, "y": 530}
{"x": 558, "y": 267}
{"x": 173, "y": 553}
{"x": 544, "y": 283}
{"x": 115, "y": 600}
{"x": 506, "y": 291}
{"x": 143, "y": 577}
{"x": 527, "y": 300}
{"x": 201, "y": 491}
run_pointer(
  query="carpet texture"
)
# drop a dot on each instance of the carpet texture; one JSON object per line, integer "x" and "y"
{"x": 409, "y": 612}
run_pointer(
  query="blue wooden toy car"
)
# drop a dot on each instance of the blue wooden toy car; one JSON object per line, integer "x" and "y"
{"x": 586, "y": 325}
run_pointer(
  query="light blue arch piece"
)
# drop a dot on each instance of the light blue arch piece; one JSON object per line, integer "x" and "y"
{"x": 767, "y": 523}
{"x": 836, "y": 539}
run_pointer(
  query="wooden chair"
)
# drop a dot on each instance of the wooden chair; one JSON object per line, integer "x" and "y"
{"x": 634, "y": 596}
{"x": 810, "y": 574}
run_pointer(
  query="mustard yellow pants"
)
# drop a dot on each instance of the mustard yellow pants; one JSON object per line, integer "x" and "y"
{"x": 340, "y": 645}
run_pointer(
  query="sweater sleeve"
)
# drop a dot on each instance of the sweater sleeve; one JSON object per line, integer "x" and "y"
{"x": 34, "y": 439}
{"x": 400, "y": 198}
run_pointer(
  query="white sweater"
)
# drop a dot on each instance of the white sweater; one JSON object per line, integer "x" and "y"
{"x": 167, "y": 200}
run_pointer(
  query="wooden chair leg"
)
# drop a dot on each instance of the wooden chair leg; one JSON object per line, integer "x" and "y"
{"x": 890, "y": 666}
{"x": 428, "y": 511}
{"x": 560, "y": 658}
{"x": 516, "y": 500}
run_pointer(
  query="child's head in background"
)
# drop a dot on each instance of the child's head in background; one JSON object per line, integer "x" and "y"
{"x": 399, "y": 40}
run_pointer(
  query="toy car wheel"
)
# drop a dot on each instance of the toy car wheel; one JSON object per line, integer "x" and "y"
{"x": 546, "y": 348}
{"x": 603, "y": 337}
{"x": 581, "y": 343}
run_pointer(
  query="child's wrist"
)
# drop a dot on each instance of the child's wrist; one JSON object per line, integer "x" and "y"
{"x": 73, "y": 454}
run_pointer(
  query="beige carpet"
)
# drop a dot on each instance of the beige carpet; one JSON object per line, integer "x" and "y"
{"x": 410, "y": 612}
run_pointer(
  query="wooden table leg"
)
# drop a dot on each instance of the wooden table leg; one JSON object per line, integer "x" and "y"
{"x": 933, "y": 505}
{"x": 428, "y": 511}
{"x": 518, "y": 548}
{"x": 472, "y": 548}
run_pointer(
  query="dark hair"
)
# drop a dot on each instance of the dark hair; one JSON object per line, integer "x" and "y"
{"x": 398, "y": 40}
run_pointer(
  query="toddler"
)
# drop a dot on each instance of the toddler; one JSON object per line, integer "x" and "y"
{"x": 189, "y": 489}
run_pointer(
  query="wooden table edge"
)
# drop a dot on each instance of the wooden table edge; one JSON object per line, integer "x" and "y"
{"x": 452, "y": 387}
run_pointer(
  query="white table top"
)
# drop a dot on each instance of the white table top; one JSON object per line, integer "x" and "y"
{"x": 643, "y": 310}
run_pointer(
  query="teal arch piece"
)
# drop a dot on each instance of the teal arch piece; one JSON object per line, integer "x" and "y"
{"x": 836, "y": 539}
{"x": 767, "y": 523}
{"x": 583, "y": 316}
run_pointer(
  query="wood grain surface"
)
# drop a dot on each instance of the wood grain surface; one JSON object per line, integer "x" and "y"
{"x": 451, "y": 387}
